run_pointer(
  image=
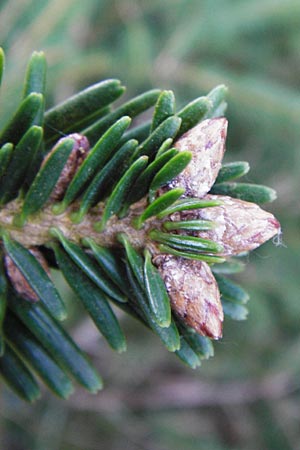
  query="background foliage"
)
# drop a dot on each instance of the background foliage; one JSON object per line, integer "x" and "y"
{"x": 248, "y": 395}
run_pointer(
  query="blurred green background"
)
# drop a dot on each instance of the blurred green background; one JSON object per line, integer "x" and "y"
{"x": 248, "y": 396}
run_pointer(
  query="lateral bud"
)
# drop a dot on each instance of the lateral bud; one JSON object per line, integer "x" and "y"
{"x": 206, "y": 142}
{"x": 193, "y": 293}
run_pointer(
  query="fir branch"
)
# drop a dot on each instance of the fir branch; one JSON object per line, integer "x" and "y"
{"x": 130, "y": 216}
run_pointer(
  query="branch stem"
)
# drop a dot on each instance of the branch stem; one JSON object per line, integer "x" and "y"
{"x": 35, "y": 231}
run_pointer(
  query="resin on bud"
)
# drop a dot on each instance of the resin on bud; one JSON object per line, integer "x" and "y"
{"x": 193, "y": 292}
{"x": 78, "y": 154}
{"x": 17, "y": 279}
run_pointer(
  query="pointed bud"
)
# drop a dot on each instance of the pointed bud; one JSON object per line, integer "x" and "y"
{"x": 206, "y": 141}
{"x": 193, "y": 293}
{"x": 17, "y": 279}
{"x": 78, "y": 154}
{"x": 240, "y": 226}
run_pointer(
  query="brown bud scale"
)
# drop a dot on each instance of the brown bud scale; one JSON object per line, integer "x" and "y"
{"x": 78, "y": 154}
{"x": 18, "y": 281}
